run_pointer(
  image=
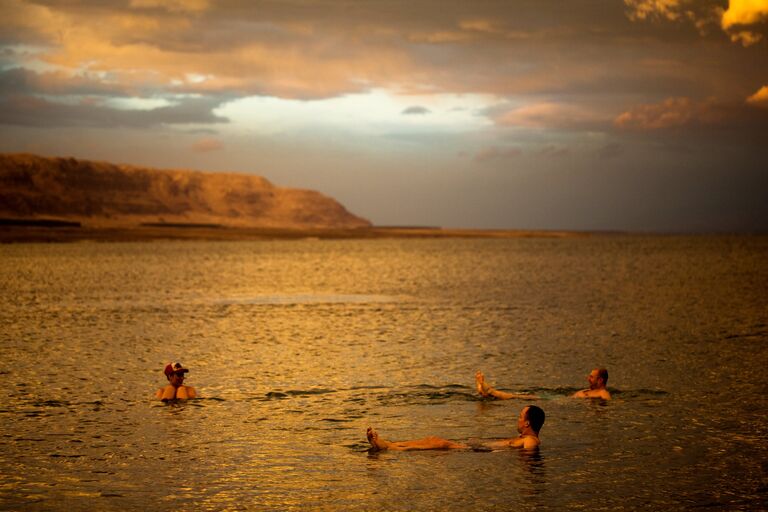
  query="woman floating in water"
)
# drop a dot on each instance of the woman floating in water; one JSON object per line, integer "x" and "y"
{"x": 528, "y": 425}
{"x": 176, "y": 389}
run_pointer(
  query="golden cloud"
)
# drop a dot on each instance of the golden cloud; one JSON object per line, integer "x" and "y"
{"x": 551, "y": 115}
{"x": 150, "y": 50}
{"x": 191, "y": 6}
{"x": 733, "y": 20}
{"x": 207, "y": 144}
{"x": 760, "y": 98}
{"x": 644, "y": 9}
{"x": 741, "y": 13}
{"x": 744, "y": 12}
{"x": 479, "y": 25}
{"x": 670, "y": 114}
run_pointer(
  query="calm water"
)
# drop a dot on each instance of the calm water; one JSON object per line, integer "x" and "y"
{"x": 296, "y": 347}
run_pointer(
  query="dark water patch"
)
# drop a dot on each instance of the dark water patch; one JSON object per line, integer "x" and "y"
{"x": 307, "y": 300}
{"x": 309, "y": 392}
{"x": 638, "y": 393}
{"x": 50, "y": 403}
{"x": 372, "y": 387}
{"x": 426, "y": 394}
{"x": 748, "y": 336}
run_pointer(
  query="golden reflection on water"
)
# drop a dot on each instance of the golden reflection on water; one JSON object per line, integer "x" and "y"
{"x": 296, "y": 348}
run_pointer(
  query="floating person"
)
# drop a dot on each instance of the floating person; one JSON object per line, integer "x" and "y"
{"x": 176, "y": 389}
{"x": 598, "y": 379}
{"x": 528, "y": 426}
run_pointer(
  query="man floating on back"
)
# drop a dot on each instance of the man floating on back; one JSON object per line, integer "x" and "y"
{"x": 598, "y": 379}
{"x": 529, "y": 424}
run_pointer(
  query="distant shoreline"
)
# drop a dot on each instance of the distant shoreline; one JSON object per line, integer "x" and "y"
{"x": 47, "y": 233}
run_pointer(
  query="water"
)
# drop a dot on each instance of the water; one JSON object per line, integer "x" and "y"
{"x": 296, "y": 347}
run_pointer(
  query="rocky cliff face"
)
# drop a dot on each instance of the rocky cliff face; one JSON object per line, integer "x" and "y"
{"x": 104, "y": 194}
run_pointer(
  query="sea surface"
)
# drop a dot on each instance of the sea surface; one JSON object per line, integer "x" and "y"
{"x": 296, "y": 347}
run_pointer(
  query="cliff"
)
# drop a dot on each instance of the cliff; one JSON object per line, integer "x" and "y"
{"x": 104, "y": 194}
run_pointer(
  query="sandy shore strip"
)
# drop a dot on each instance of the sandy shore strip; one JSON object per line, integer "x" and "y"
{"x": 37, "y": 234}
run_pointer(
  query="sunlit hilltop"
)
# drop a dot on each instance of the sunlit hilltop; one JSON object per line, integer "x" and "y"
{"x": 104, "y": 194}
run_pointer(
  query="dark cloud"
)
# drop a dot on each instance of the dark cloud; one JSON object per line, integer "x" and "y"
{"x": 649, "y": 97}
{"x": 28, "y": 110}
{"x": 689, "y": 116}
{"x": 24, "y": 81}
{"x": 307, "y": 50}
{"x": 416, "y": 110}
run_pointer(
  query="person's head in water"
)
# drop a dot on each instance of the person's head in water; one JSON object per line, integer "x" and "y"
{"x": 598, "y": 378}
{"x": 174, "y": 372}
{"x": 530, "y": 417}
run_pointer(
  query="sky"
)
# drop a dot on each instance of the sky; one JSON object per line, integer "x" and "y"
{"x": 637, "y": 115}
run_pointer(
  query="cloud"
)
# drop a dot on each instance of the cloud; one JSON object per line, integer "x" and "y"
{"x": 27, "y": 110}
{"x": 59, "y": 83}
{"x": 685, "y": 113}
{"x": 207, "y": 144}
{"x": 671, "y": 113}
{"x": 733, "y": 20}
{"x": 320, "y": 50}
{"x": 645, "y": 9}
{"x": 760, "y": 98}
{"x": 494, "y": 153}
{"x": 551, "y": 115}
{"x": 416, "y": 110}
{"x": 744, "y": 12}
{"x": 172, "y": 5}
{"x": 746, "y": 37}
{"x": 479, "y": 25}
{"x": 533, "y": 54}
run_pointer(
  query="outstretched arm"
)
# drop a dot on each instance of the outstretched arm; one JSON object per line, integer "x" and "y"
{"x": 486, "y": 390}
{"x": 592, "y": 393}
{"x": 524, "y": 442}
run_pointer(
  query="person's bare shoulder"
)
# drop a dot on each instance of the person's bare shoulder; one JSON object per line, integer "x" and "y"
{"x": 525, "y": 442}
{"x": 166, "y": 393}
{"x": 530, "y": 442}
{"x": 185, "y": 392}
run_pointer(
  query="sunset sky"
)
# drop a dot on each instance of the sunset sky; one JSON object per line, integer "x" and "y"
{"x": 570, "y": 114}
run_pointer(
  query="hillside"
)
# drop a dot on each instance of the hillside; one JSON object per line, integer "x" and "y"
{"x": 102, "y": 194}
